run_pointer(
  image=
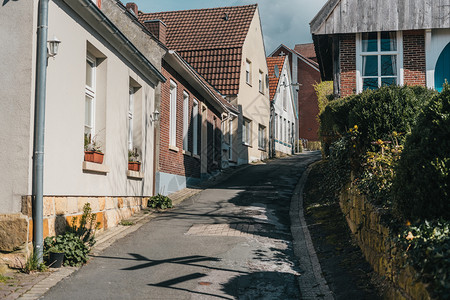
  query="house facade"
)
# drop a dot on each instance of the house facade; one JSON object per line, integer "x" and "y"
{"x": 225, "y": 46}
{"x": 283, "y": 121}
{"x": 100, "y": 88}
{"x": 304, "y": 73}
{"x": 364, "y": 46}
{"x": 191, "y": 127}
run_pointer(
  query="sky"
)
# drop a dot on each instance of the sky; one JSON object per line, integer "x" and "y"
{"x": 283, "y": 21}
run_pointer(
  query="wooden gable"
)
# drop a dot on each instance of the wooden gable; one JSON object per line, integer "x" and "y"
{"x": 352, "y": 16}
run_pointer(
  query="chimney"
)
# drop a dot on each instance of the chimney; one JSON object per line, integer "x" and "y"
{"x": 158, "y": 28}
{"x": 133, "y": 8}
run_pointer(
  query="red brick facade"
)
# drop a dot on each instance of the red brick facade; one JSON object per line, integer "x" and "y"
{"x": 177, "y": 162}
{"x": 347, "y": 58}
{"x": 414, "y": 64}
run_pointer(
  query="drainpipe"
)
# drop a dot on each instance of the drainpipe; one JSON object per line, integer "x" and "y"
{"x": 39, "y": 126}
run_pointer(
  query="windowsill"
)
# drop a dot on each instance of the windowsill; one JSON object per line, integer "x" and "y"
{"x": 262, "y": 149}
{"x": 174, "y": 148}
{"x": 249, "y": 84}
{"x": 135, "y": 174}
{"x": 248, "y": 145}
{"x": 91, "y": 167}
{"x": 262, "y": 93}
{"x": 196, "y": 156}
{"x": 188, "y": 153}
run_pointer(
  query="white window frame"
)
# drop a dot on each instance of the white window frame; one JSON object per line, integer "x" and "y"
{"x": 90, "y": 91}
{"x": 261, "y": 83}
{"x": 173, "y": 114}
{"x": 276, "y": 126}
{"x": 246, "y": 131}
{"x": 130, "y": 118}
{"x": 360, "y": 54}
{"x": 230, "y": 142}
{"x": 185, "y": 121}
{"x": 261, "y": 137}
{"x": 248, "y": 72}
{"x": 195, "y": 127}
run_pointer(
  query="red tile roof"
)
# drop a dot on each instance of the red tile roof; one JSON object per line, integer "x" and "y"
{"x": 307, "y": 50}
{"x": 312, "y": 62}
{"x": 210, "y": 40}
{"x": 273, "y": 79}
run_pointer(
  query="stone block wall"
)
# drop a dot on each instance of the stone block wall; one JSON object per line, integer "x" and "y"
{"x": 374, "y": 240}
{"x": 16, "y": 231}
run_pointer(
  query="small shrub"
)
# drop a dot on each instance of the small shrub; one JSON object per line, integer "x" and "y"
{"x": 160, "y": 201}
{"x": 126, "y": 223}
{"x": 422, "y": 185}
{"x": 314, "y": 145}
{"x": 324, "y": 92}
{"x": 75, "y": 250}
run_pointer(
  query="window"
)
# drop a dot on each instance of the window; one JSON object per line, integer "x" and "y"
{"x": 246, "y": 131}
{"x": 379, "y": 62}
{"x": 230, "y": 142}
{"x": 276, "y": 126}
{"x": 214, "y": 138}
{"x": 173, "y": 114}
{"x": 261, "y": 83}
{"x": 248, "y": 72}
{"x": 280, "y": 127}
{"x": 284, "y": 131}
{"x": 261, "y": 137}
{"x": 284, "y": 95}
{"x": 195, "y": 127}
{"x": 185, "y": 121}
{"x": 89, "y": 104}
{"x": 130, "y": 118}
{"x": 289, "y": 132}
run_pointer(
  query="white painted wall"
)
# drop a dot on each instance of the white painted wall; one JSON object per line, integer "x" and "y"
{"x": 64, "y": 152}
{"x": 435, "y": 41}
{"x": 255, "y": 105}
{"x": 281, "y": 145}
{"x": 17, "y": 68}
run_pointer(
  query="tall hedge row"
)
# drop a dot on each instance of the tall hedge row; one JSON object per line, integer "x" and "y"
{"x": 422, "y": 183}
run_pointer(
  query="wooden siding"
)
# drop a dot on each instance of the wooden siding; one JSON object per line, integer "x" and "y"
{"x": 352, "y": 16}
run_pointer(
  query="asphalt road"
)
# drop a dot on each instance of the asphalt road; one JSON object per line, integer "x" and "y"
{"x": 231, "y": 241}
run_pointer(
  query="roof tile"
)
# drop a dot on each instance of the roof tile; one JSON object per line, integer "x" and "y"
{"x": 273, "y": 79}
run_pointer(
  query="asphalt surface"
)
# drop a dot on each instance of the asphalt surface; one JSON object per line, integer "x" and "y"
{"x": 231, "y": 241}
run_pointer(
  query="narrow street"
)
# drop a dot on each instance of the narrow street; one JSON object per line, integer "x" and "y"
{"x": 230, "y": 241}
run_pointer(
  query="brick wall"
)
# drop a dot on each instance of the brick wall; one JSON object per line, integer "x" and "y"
{"x": 347, "y": 56}
{"x": 177, "y": 162}
{"x": 414, "y": 57}
{"x": 308, "y": 108}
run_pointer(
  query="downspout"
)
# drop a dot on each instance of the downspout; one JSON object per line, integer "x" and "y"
{"x": 39, "y": 128}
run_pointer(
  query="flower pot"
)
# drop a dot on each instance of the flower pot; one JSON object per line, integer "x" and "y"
{"x": 55, "y": 259}
{"x": 134, "y": 166}
{"x": 93, "y": 156}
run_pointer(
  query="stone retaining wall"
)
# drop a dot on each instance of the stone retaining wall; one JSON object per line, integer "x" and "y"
{"x": 374, "y": 240}
{"x": 16, "y": 231}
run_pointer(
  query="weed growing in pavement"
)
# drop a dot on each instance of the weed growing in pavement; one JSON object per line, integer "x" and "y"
{"x": 33, "y": 264}
{"x": 160, "y": 201}
{"x": 4, "y": 278}
{"x": 126, "y": 223}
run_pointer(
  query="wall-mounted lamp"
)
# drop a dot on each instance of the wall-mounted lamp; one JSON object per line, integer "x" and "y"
{"x": 53, "y": 46}
{"x": 155, "y": 116}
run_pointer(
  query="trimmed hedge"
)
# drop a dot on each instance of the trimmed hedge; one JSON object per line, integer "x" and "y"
{"x": 376, "y": 113}
{"x": 422, "y": 184}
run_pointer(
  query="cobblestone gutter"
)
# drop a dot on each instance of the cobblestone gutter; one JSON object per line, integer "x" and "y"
{"x": 374, "y": 240}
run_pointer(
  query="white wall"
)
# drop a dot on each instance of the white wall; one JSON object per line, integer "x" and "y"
{"x": 64, "y": 142}
{"x": 17, "y": 52}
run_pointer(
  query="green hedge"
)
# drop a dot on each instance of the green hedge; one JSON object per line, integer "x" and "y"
{"x": 422, "y": 185}
{"x": 376, "y": 113}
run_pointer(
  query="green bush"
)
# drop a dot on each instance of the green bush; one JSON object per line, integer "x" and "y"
{"x": 422, "y": 185}
{"x": 75, "y": 250}
{"x": 426, "y": 246}
{"x": 324, "y": 92}
{"x": 160, "y": 201}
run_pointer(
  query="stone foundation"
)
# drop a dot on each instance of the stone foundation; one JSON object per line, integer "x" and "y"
{"x": 374, "y": 240}
{"x": 16, "y": 230}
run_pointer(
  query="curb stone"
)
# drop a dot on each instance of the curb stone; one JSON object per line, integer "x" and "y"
{"x": 311, "y": 282}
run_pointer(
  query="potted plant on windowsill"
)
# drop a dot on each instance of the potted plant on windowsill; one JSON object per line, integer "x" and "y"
{"x": 133, "y": 163}
{"x": 92, "y": 150}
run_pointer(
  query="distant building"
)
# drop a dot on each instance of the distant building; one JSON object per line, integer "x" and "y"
{"x": 283, "y": 124}
{"x": 304, "y": 74}
{"x": 225, "y": 46}
{"x": 363, "y": 46}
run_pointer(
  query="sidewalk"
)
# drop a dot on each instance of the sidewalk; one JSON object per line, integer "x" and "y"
{"x": 17, "y": 285}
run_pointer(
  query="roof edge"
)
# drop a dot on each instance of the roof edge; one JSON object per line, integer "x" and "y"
{"x": 322, "y": 15}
